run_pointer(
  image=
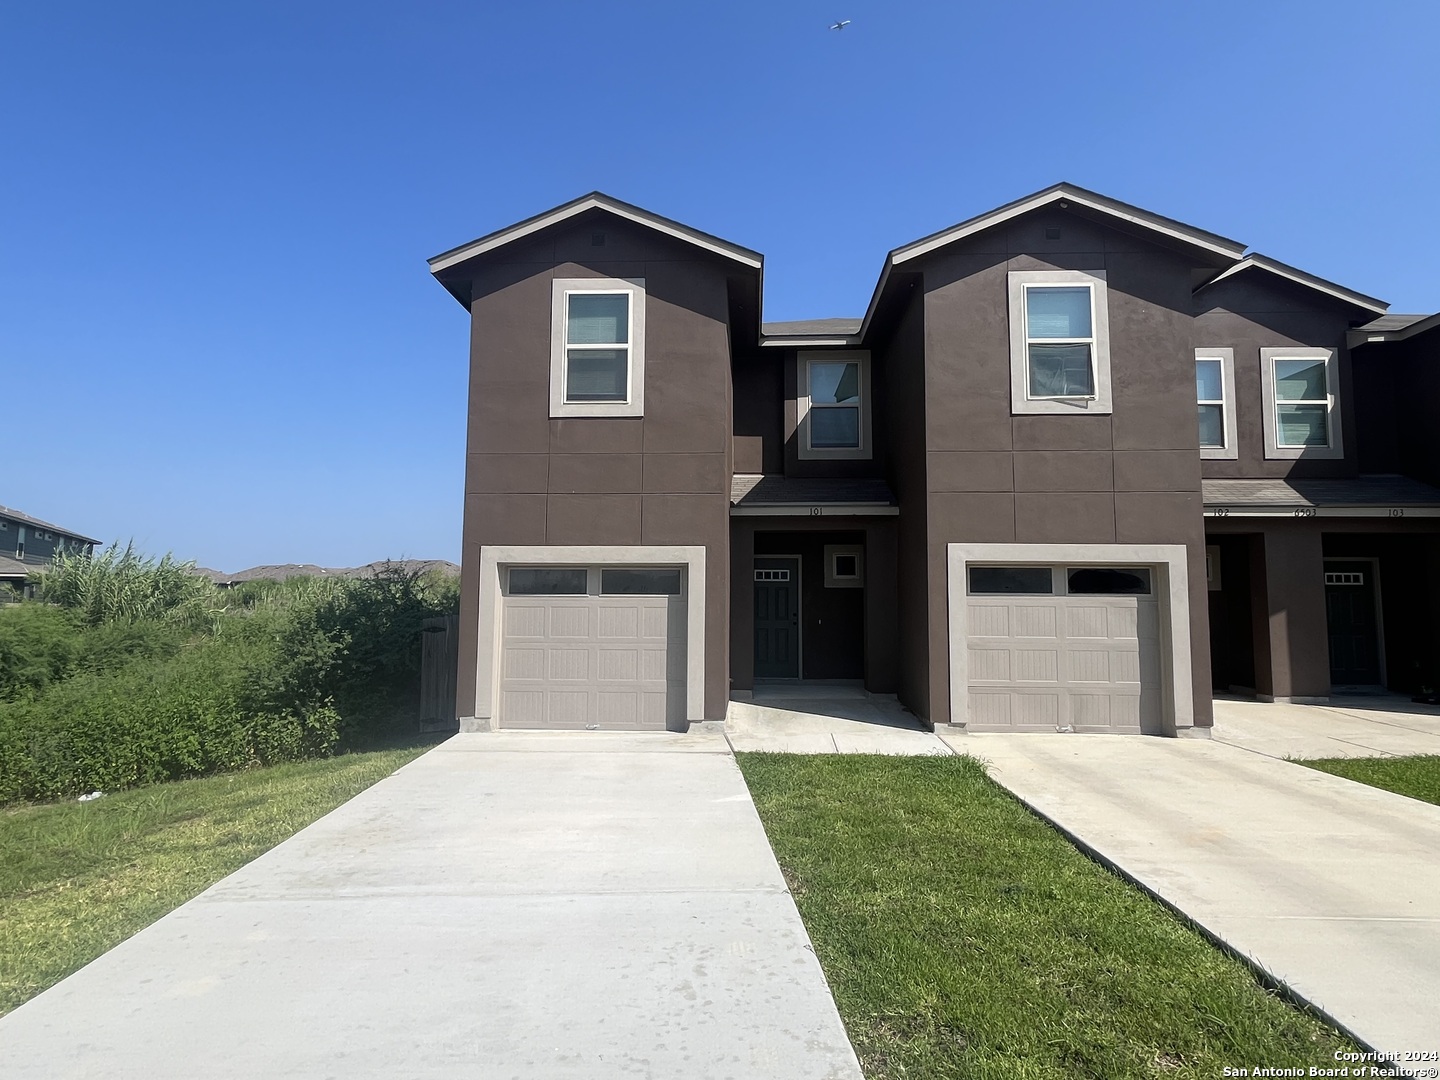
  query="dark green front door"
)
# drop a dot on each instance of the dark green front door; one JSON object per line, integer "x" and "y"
{"x": 1350, "y": 608}
{"x": 777, "y": 618}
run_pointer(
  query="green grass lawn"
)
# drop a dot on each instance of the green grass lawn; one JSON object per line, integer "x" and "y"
{"x": 76, "y": 879}
{"x": 963, "y": 937}
{"x": 1417, "y": 777}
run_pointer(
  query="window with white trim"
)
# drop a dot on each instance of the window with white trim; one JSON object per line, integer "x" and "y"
{"x": 1215, "y": 402}
{"x": 597, "y": 349}
{"x": 1302, "y": 408}
{"x": 1059, "y": 341}
{"x": 834, "y": 405}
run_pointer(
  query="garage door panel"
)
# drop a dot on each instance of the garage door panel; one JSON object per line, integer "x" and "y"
{"x": 1034, "y": 621}
{"x": 524, "y": 663}
{"x": 523, "y": 708}
{"x": 524, "y": 621}
{"x": 617, "y": 665}
{"x": 567, "y": 665}
{"x": 989, "y": 619}
{"x": 569, "y": 620}
{"x": 1035, "y": 665}
{"x": 607, "y": 662}
{"x": 1089, "y": 620}
{"x": 990, "y": 664}
{"x": 1099, "y": 653}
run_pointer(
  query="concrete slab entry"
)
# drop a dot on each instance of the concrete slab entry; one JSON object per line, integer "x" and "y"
{"x": 1347, "y": 727}
{"x": 508, "y": 905}
{"x": 852, "y": 723}
{"x": 1330, "y": 886}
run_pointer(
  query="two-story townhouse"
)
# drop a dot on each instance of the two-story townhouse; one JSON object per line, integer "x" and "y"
{"x": 984, "y": 496}
{"x": 28, "y": 544}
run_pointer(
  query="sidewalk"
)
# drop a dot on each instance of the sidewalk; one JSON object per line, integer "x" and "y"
{"x": 547, "y": 905}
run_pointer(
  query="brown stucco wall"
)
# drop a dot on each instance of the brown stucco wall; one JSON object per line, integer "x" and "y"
{"x": 1256, "y": 310}
{"x": 660, "y": 479}
{"x": 1130, "y": 477}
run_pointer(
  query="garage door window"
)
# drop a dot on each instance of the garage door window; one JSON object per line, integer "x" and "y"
{"x": 1108, "y": 581}
{"x": 640, "y": 582}
{"x": 547, "y": 581}
{"x": 1011, "y": 580}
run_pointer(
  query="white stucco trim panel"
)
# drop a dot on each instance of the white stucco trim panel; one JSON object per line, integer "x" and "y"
{"x": 1167, "y": 560}
{"x": 495, "y": 559}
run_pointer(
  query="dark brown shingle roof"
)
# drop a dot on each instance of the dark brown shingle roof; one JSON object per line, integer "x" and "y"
{"x": 1376, "y": 490}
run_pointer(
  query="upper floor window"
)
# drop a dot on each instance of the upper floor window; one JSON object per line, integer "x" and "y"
{"x": 597, "y": 347}
{"x": 833, "y": 405}
{"x": 1059, "y": 342}
{"x": 1302, "y": 407}
{"x": 1215, "y": 402}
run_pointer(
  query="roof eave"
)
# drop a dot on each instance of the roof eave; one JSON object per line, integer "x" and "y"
{"x": 1361, "y": 336}
{"x": 1176, "y": 231}
{"x": 1300, "y": 277}
{"x": 595, "y": 201}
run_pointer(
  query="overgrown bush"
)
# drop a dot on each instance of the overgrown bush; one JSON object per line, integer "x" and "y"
{"x": 201, "y": 711}
{"x": 134, "y": 670}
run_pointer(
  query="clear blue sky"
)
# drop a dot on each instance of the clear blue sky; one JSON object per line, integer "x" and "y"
{"x": 217, "y": 331}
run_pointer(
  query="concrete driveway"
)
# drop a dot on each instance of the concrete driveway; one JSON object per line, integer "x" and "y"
{"x": 508, "y": 905}
{"x": 1331, "y": 886}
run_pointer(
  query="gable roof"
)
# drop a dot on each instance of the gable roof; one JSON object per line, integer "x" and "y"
{"x": 1064, "y": 196}
{"x": 596, "y": 200}
{"x": 1300, "y": 277}
{"x": 1067, "y": 196}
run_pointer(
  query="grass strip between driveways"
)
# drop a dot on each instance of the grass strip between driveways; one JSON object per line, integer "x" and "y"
{"x": 76, "y": 879}
{"x": 964, "y": 937}
{"x": 1417, "y": 777}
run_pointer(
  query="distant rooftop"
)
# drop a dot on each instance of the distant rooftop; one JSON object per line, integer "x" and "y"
{"x": 812, "y": 327}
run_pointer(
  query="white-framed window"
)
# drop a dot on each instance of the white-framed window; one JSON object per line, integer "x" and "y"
{"x": 833, "y": 405}
{"x": 1302, "y": 404}
{"x": 1059, "y": 342}
{"x": 844, "y": 566}
{"x": 1215, "y": 402}
{"x": 597, "y": 347}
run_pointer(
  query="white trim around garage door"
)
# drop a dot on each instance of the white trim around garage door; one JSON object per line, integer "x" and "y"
{"x": 494, "y": 560}
{"x": 1169, "y": 562}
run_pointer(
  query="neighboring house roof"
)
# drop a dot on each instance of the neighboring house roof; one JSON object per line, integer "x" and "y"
{"x": 282, "y": 571}
{"x": 1392, "y": 328}
{"x": 596, "y": 200}
{"x": 1378, "y": 490}
{"x": 26, "y": 519}
{"x": 1299, "y": 277}
{"x": 11, "y": 567}
{"x": 752, "y": 490}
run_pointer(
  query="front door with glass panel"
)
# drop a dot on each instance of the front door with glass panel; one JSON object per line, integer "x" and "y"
{"x": 777, "y": 618}
{"x": 1350, "y": 609}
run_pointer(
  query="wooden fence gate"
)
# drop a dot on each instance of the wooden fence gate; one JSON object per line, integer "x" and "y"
{"x": 439, "y": 660}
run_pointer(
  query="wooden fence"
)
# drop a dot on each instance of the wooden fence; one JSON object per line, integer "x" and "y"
{"x": 439, "y": 660}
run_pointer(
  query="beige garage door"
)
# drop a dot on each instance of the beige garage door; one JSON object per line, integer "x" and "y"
{"x": 1063, "y": 648}
{"x": 598, "y": 648}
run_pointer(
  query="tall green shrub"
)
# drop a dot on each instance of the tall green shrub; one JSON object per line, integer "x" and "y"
{"x": 125, "y": 586}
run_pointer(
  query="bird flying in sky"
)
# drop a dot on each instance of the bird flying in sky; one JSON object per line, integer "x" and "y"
{"x": 840, "y": 25}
